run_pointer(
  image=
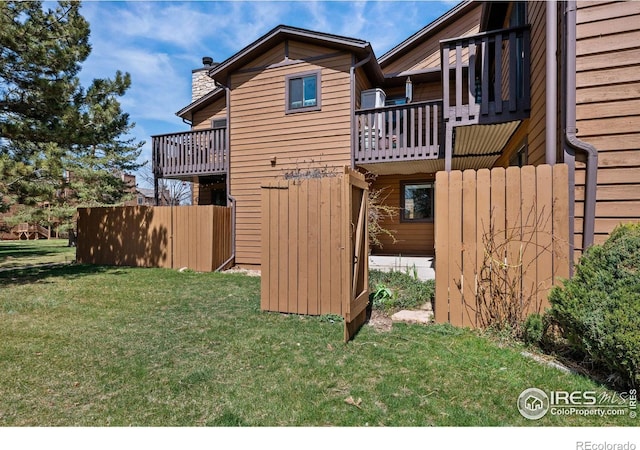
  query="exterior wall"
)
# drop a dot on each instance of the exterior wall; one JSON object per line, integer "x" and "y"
{"x": 260, "y": 130}
{"x": 608, "y": 110}
{"x": 202, "y": 118}
{"x": 362, "y": 84}
{"x": 427, "y": 54}
{"x": 413, "y": 238}
{"x": 536, "y": 17}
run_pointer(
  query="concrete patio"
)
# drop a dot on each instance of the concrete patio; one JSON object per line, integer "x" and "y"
{"x": 424, "y": 265}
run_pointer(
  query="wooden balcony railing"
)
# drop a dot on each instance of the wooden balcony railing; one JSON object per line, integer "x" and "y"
{"x": 490, "y": 77}
{"x": 200, "y": 152}
{"x": 398, "y": 133}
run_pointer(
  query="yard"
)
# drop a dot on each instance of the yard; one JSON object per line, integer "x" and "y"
{"x": 42, "y": 251}
{"x": 97, "y": 346}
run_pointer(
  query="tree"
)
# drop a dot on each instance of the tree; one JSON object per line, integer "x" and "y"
{"x": 172, "y": 192}
{"x": 57, "y": 137}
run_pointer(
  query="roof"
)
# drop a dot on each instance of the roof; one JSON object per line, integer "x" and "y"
{"x": 419, "y": 37}
{"x": 187, "y": 111}
{"x": 281, "y": 33}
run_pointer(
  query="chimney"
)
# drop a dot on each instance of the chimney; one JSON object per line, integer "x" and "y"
{"x": 201, "y": 84}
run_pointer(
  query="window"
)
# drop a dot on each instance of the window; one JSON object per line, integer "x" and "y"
{"x": 519, "y": 157}
{"x": 416, "y": 201}
{"x": 218, "y": 124}
{"x": 140, "y": 200}
{"x": 303, "y": 92}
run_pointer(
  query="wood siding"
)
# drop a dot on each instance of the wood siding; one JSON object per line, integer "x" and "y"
{"x": 202, "y": 118}
{"x": 608, "y": 110}
{"x": 261, "y": 131}
{"x": 427, "y": 54}
{"x": 412, "y": 238}
{"x": 536, "y": 16}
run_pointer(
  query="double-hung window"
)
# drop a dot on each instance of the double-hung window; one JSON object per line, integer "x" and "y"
{"x": 417, "y": 201}
{"x": 303, "y": 92}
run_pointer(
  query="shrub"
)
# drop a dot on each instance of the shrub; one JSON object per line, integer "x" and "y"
{"x": 533, "y": 329}
{"x": 399, "y": 290}
{"x": 598, "y": 310}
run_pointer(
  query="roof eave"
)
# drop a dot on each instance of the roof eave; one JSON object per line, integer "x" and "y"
{"x": 188, "y": 110}
{"x": 280, "y": 33}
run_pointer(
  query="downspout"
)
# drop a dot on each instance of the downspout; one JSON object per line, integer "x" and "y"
{"x": 352, "y": 77}
{"x": 588, "y": 152}
{"x": 551, "y": 137}
{"x": 230, "y": 199}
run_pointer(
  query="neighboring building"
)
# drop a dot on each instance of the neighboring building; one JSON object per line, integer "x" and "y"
{"x": 143, "y": 196}
{"x": 479, "y": 87}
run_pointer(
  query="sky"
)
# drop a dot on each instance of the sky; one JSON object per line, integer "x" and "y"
{"x": 160, "y": 42}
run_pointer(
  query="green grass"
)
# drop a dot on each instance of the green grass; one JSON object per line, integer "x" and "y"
{"x": 97, "y": 346}
{"x": 407, "y": 291}
{"x": 42, "y": 251}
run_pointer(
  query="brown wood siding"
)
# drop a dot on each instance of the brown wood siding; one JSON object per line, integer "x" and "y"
{"x": 260, "y": 130}
{"x": 412, "y": 238}
{"x": 608, "y": 111}
{"x": 362, "y": 84}
{"x": 427, "y": 54}
{"x": 536, "y": 12}
{"x": 202, "y": 118}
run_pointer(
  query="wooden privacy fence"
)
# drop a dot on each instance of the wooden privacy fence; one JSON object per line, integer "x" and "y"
{"x": 502, "y": 241}
{"x": 197, "y": 237}
{"x": 315, "y": 247}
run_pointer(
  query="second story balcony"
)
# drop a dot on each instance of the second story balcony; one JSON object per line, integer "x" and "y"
{"x": 398, "y": 133}
{"x": 485, "y": 77}
{"x": 190, "y": 153}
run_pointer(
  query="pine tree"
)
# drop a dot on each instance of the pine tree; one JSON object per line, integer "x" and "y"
{"x": 50, "y": 126}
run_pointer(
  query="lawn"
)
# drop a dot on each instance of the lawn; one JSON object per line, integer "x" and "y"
{"x": 97, "y": 346}
{"x": 42, "y": 251}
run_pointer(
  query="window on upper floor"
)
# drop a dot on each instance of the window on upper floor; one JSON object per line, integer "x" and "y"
{"x": 302, "y": 92}
{"x": 417, "y": 201}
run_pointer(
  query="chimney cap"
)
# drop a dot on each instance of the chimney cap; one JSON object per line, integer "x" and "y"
{"x": 207, "y": 60}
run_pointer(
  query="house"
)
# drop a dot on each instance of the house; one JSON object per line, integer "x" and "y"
{"x": 143, "y": 196}
{"x": 487, "y": 84}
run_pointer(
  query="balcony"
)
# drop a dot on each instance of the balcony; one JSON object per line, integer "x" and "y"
{"x": 486, "y": 77}
{"x": 398, "y": 133}
{"x": 190, "y": 153}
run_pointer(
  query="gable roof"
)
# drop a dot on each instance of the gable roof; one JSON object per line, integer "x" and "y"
{"x": 419, "y": 37}
{"x": 220, "y": 73}
{"x": 362, "y": 49}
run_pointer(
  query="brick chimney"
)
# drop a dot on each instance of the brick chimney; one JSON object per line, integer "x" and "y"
{"x": 201, "y": 84}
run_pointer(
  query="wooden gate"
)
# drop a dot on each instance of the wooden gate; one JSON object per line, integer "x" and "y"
{"x": 315, "y": 247}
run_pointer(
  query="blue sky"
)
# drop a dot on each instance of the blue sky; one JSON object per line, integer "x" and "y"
{"x": 160, "y": 42}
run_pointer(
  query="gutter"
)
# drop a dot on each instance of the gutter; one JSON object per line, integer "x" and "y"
{"x": 352, "y": 77}
{"x": 230, "y": 199}
{"x": 588, "y": 153}
{"x": 551, "y": 82}
{"x": 233, "y": 233}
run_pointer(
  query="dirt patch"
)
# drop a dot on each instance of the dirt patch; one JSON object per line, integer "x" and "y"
{"x": 248, "y": 272}
{"x": 380, "y": 322}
